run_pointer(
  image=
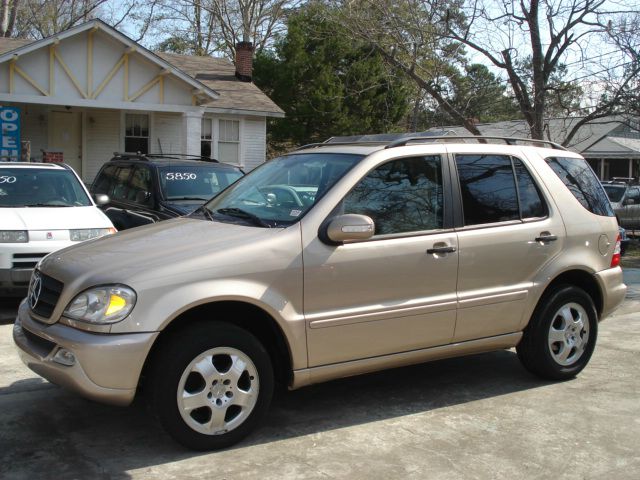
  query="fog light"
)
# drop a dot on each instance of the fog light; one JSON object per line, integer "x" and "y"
{"x": 64, "y": 357}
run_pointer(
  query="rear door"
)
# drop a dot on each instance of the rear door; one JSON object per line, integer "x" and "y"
{"x": 507, "y": 232}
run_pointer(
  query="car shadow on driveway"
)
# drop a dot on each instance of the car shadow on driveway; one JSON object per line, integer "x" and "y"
{"x": 49, "y": 429}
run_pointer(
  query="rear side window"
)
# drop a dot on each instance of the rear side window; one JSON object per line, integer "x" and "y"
{"x": 582, "y": 182}
{"x": 497, "y": 188}
{"x": 615, "y": 192}
{"x": 531, "y": 203}
{"x": 634, "y": 194}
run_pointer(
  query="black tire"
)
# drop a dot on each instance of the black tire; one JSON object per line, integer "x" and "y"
{"x": 542, "y": 347}
{"x": 221, "y": 345}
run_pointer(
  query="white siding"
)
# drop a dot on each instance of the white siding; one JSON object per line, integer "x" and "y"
{"x": 167, "y": 128}
{"x": 254, "y": 143}
{"x": 34, "y": 128}
{"x": 102, "y": 137}
{"x": 191, "y": 132}
{"x": 79, "y": 85}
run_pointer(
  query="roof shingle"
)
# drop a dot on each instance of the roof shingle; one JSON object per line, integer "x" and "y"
{"x": 219, "y": 75}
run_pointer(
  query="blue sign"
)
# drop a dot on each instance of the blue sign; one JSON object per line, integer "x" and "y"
{"x": 10, "y": 131}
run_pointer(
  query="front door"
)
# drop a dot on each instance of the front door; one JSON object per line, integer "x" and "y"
{"x": 393, "y": 293}
{"x": 65, "y": 135}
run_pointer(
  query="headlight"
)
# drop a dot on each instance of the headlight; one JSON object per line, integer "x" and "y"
{"x": 14, "y": 236}
{"x": 102, "y": 305}
{"x": 89, "y": 233}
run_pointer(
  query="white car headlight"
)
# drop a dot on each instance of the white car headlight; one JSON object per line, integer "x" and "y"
{"x": 102, "y": 305}
{"x": 83, "y": 234}
{"x": 14, "y": 236}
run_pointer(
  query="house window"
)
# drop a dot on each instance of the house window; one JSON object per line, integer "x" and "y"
{"x": 136, "y": 133}
{"x": 229, "y": 141}
{"x": 206, "y": 137}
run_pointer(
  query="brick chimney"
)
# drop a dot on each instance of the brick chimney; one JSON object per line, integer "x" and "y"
{"x": 244, "y": 61}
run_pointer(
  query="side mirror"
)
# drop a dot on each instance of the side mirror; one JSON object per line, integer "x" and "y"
{"x": 630, "y": 201}
{"x": 349, "y": 227}
{"x": 100, "y": 198}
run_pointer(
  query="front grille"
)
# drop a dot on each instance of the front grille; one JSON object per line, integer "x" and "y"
{"x": 26, "y": 260}
{"x": 49, "y": 294}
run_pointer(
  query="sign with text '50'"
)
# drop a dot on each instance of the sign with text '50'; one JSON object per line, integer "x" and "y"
{"x": 10, "y": 134}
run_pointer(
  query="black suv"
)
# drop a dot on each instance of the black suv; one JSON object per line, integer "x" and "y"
{"x": 144, "y": 189}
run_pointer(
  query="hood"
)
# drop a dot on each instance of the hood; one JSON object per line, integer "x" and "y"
{"x": 182, "y": 207}
{"x": 170, "y": 249}
{"x": 52, "y": 218}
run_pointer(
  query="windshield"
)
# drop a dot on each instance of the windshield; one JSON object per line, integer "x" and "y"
{"x": 281, "y": 191}
{"x": 187, "y": 182}
{"x": 40, "y": 187}
{"x": 614, "y": 192}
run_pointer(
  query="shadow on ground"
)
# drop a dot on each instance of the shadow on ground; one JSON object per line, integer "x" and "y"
{"x": 48, "y": 429}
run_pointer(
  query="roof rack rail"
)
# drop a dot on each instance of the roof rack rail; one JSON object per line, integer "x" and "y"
{"x": 129, "y": 154}
{"x": 187, "y": 155}
{"x": 401, "y": 142}
{"x": 331, "y": 144}
{"x": 147, "y": 156}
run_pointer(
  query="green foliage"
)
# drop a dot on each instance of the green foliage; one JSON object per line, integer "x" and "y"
{"x": 327, "y": 84}
{"x": 475, "y": 93}
{"x": 176, "y": 44}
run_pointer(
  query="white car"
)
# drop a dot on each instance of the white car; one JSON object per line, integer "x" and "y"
{"x": 43, "y": 207}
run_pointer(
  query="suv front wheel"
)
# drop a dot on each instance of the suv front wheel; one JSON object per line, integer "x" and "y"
{"x": 211, "y": 385}
{"x": 561, "y": 336}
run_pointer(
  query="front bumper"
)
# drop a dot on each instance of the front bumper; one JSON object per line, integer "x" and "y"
{"x": 17, "y": 260}
{"x": 613, "y": 289}
{"x": 15, "y": 281}
{"x": 107, "y": 367}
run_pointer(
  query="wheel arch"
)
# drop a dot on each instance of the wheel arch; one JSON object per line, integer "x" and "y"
{"x": 242, "y": 314}
{"x": 581, "y": 279}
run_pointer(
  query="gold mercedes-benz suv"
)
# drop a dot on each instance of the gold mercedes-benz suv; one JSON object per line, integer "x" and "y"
{"x": 334, "y": 260}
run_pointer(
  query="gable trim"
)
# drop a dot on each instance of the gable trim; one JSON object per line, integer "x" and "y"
{"x": 96, "y": 24}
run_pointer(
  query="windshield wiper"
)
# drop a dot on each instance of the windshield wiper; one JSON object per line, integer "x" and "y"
{"x": 238, "y": 212}
{"x": 204, "y": 210}
{"x": 46, "y": 205}
{"x": 186, "y": 198}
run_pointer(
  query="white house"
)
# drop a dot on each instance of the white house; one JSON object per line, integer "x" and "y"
{"x": 90, "y": 91}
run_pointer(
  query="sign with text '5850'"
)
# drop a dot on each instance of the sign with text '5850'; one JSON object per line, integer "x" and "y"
{"x": 10, "y": 134}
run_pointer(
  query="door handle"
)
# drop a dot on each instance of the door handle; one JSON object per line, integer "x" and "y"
{"x": 443, "y": 249}
{"x": 546, "y": 237}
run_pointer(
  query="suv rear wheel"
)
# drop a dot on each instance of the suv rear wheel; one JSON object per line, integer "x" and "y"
{"x": 211, "y": 385}
{"x": 561, "y": 336}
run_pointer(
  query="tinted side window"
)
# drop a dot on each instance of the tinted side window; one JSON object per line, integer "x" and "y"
{"x": 401, "y": 196}
{"x": 140, "y": 185}
{"x": 488, "y": 189}
{"x": 582, "y": 183}
{"x": 121, "y": 185}
{"x": 105, "y": 180}
{"x": 531, "y": 203}
{"x": 634, "y": 194}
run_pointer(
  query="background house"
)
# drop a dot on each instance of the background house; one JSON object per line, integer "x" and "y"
{"x": 611, "y": 145}
{"x": 90, "y": 91}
